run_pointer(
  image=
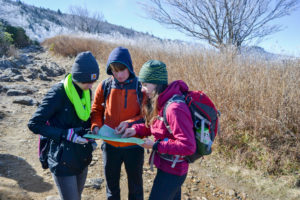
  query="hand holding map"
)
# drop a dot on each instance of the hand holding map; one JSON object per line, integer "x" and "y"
{"x": 107, "y": 133}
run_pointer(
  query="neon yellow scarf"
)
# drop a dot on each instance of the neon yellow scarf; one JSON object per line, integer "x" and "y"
{"x": 82, "y": 106}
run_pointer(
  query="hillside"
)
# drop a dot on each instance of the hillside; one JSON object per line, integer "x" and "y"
{"x": 41, "y": 23}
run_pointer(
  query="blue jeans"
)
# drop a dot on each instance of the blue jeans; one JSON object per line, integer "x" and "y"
{"x": 133, "y": 158}
{"x": 166, "y": 186}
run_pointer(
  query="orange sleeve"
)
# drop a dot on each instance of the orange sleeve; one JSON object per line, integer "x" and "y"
{"x": 97, "y": 111}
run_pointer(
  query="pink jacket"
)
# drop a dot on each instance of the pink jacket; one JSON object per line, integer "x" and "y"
{"x": 182, "y": 141}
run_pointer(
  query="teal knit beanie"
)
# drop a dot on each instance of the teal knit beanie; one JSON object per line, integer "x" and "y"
{"x": 154, "y": 71}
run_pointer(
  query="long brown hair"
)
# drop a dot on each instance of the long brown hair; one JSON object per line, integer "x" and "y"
{"x": 149, "y": 108}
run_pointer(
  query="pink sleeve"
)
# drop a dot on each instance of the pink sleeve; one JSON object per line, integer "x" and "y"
{"x": 180, "y": 121}
{"x": 141, "y": 130}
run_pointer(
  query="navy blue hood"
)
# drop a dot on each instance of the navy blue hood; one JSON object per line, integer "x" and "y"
{"x": 120, "y": 55}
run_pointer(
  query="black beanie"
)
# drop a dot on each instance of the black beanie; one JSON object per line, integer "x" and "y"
{"x": 85, "y": 68}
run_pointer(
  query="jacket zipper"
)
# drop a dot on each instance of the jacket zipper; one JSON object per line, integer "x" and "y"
{"x": 125, "y": 106}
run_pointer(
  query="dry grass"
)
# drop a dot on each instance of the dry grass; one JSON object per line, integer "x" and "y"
{"x": 259, "y": 100}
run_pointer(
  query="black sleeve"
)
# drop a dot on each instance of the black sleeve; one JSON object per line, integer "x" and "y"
{"x": 51, "y": 104}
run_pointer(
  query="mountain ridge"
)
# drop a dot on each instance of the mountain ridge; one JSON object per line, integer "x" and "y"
{"x": 40, "y": 23}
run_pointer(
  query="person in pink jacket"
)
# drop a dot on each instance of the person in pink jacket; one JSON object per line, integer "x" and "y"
{"x": 169, "y": 149}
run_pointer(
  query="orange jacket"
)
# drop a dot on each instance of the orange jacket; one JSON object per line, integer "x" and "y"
{"x": 121, "y": 105}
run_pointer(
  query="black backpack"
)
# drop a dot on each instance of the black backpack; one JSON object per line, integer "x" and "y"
{"x": 44, "y": 146}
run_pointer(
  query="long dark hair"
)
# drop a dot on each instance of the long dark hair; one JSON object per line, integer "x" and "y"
{"x": 149, "y": 108}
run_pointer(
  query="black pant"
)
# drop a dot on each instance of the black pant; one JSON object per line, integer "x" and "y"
{"x": 166, "y": 186}
{"x": 133, "y": 158}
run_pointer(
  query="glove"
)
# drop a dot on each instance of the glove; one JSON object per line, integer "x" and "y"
{"x": 73, "y": 135}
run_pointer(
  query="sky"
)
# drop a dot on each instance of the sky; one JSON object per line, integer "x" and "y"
{"x": 128, "y": 13}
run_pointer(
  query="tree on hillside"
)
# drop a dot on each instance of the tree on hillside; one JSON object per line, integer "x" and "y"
{"x": 221, "y": 22}
{"x": 84, "y": 20}
{"x": 5, "y": 40}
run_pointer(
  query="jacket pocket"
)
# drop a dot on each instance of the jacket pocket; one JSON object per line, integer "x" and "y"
{"x": 84, "y": 154}
{"x": 76, "y": 156}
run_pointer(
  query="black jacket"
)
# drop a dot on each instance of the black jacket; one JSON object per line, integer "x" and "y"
{"x": 64, "y": 158}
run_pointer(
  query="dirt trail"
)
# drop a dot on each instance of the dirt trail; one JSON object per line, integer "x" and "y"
{"x": 21, "y": 176}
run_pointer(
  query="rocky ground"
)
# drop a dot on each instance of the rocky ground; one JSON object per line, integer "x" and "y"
{"x": 24, "y": 81}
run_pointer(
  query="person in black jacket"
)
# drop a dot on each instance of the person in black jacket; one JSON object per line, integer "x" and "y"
{"x": 63, "y": 117}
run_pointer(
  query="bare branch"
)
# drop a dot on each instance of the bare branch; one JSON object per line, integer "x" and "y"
{"x": 221, "y": 22}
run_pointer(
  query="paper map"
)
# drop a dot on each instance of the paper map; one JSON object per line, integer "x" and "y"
{"x": 107, "y": 133}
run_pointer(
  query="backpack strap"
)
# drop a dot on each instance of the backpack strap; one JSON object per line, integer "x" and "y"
{"x": 139, "y": 92}
{"x": 106, "y": 85}
{"x": 176, "y": 98}
{"x": 172, "y": 158}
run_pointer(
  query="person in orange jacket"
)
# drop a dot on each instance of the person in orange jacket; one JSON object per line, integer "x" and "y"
{"x": 117, "y": 104}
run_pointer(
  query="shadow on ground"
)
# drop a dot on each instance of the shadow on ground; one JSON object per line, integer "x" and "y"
{"x": 16, "y": 168}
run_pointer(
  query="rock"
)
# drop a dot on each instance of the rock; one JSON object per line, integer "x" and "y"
{"x": 94, "y": 183}
{"x": 10, "y": 74}
{"x": 53, "y": 70}
{"x": 5, "y": 78}
{"x": 243, "y": 195}
{"x": 13, "y": 71}
{"x": 32, "y": 72}
{"x": 22, "y": 61}
{"x": 231, "y": 192}
{"x": 12, "y": 92}
{"x": 19, "y": 78}
{"x": 2, "y": 115}
{"x": 5, "y": 64}
{"x": 297, "y": 184}
{"x": 34, "y": 69}
{"x": 52, "y": 198}
{"x": 32, "y": 48}
{"x": 27, "y": 88}
{"x": 93, "y": 163}
{"x": 24, "y": 100}
{"x": 32, "y": 76}
{"x": 43, "y": 77}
